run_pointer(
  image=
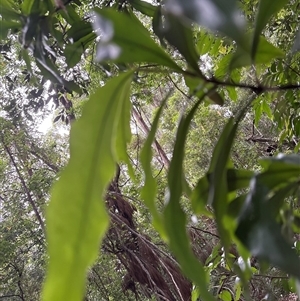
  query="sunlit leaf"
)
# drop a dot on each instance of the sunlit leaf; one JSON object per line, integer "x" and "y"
{"x": 127, "y": 44}
{"x": 76, "y": 216}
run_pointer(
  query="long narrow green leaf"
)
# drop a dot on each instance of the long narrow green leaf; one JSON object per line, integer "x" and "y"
{"x": 76, "y": 216}
{"x": 127, "y": 44}
{"x": 174, "y": 216}
{"x": 148, "y": 192}
{"x": 266, "y": 9}
{"x": 218, "y": 178}
{"x": 175, "y": 27}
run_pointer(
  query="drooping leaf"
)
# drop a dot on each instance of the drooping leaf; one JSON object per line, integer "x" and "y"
{"x": 29, "y": 29}
{"x": 127, "y": 44}
{"x": 171, "y": 29}
{"x": 149, "y": 190}
{"x": 266, "y": 8}
{"x": 176, "y": 227}
{"x": 219, "y": 15}
{"x": 76, "y": 216}
{"x": 218, "y": 187}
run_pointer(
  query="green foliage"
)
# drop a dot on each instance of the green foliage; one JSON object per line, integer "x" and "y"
{"x": 250, "y": 69}
{"x": 127, "y": 44}
{"x": 78, "y": 196}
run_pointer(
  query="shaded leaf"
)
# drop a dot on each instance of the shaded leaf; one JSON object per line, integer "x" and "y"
{"x": 6, "y": 26}
{"x": 79, "y": 30}
{"x": 218, "y": 178}
{"x": 219, "y": 15}
{"x": 76, "y": 216}
{"x": 171, "y": 29}
{"x": 149, "y": 190}
{"x": 8, "y": 11}
{"x": 127, "y": 44}
{"x": 265, "y": 53}
{"x": 144, "y": 7}
{"x": 259, "y": 232}
{"x": 73, "y": 51}
{"x": 176, "y": 227}
{"x": 266, "y": 8}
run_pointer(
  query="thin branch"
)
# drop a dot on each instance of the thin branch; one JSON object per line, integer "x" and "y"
{"x": 27, "y": 191}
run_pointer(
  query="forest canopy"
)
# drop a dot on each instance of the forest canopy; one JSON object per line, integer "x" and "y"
{"x": 172, "y": 168}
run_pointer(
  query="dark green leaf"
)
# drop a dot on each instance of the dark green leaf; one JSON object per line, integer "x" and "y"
{"x": 6, "y": 26}
{"x": 259, "y": 232}
{"x": 238, "y": 178}
{"x": 144, "y": 7}
{"x": 79, "y": 30}
{"x": 291, "y": 161}
{"x": 148, "y": 192}
{"x": 30, "y": 7}
{"x": 70, "y": 14}
{"x": 29, "y": 30}
{"x": 76, "y": 216}
{"x": 265, "y": 53}
{"x": 235, "y": 206}
{"x": 266, "y": 9}
{"x": 127, "y": 44}
{"x": 218, "y": 178}
{"x": 219, "y": 15}
{"x": 8, "y": 11}
{"x": 176, "y": 227}
{"x": 73, "y": 51}
{"x": 171, "y": 29}
{"x": 199, "y": 196}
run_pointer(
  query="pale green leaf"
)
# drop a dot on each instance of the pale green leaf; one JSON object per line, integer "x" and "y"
{"x": 76, "y": 216}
